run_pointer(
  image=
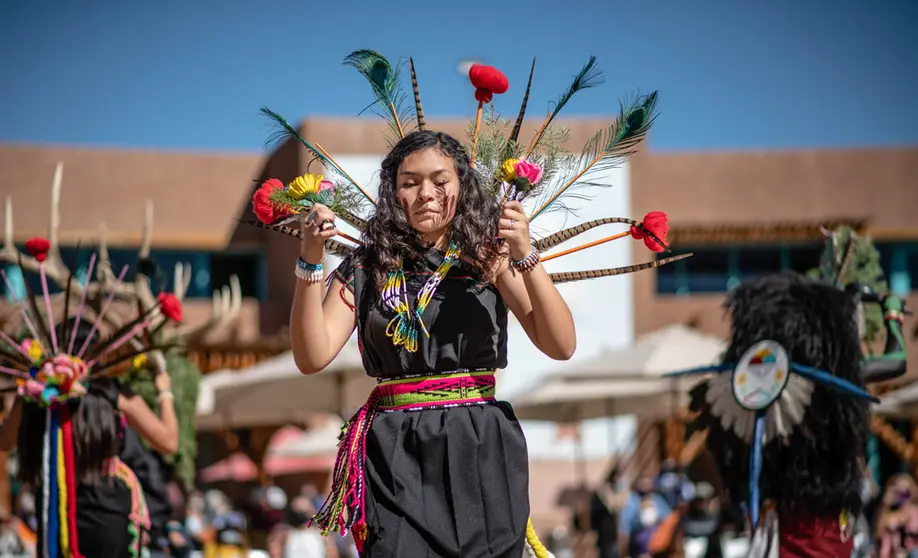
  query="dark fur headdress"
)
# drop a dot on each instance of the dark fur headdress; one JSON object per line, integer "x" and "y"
{"x": 786, "y": 413}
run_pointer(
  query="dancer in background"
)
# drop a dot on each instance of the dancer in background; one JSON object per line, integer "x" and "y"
{"x": 794, "y": 359}
{"x": 66, "y": 423}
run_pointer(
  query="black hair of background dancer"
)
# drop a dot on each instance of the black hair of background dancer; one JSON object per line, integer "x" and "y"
{"x": 817, "y": 471}
{"x": 96, "y": 425}
{"x": 389, "y": 234}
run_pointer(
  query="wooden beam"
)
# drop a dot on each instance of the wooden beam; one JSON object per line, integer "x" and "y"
{"x": 760, "y": 232}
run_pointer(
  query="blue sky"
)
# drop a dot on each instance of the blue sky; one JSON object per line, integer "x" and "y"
{"x": 192, "y": 74}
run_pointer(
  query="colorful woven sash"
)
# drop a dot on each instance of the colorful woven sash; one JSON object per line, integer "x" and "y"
{"x": 344, "y": 508}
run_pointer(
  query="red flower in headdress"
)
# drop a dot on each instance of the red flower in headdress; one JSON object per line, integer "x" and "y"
{"x": 38, "y": 248}
{"x": 170, "y": 306}
{"x": 261, "y": 200}
{"x": 655, "y": 222}
{"x": 488, "y": 81}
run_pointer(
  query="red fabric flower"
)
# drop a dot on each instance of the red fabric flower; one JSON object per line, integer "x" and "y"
{"x": 261, "y": 200}
{"x": 657, "y": 223}
{"x": 170, "y": 306}
{"x": 38, "y": 248}
{"x": 488, "y": 81}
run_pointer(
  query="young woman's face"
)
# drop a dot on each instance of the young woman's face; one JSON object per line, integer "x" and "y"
{"x": 427, "y": 186}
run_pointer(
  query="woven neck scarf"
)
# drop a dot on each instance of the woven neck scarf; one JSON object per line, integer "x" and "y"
{"x": 405, "y": 326}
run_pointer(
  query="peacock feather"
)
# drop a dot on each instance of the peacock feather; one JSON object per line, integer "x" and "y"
{"x": 589, "y": 76}
{"x": 386, "y": 85}
{"x": 607, "y": 149}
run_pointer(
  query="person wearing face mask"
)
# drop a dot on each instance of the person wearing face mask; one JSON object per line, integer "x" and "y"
{"x": 700, "y": 524}
{"x": 640, "y": 518}
{"x": 897, "y": 524}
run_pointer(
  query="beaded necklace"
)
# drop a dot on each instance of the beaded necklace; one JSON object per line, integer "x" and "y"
{"x": 404, "y": 327}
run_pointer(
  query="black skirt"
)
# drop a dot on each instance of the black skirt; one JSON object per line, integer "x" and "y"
{"x": 447, "y": 483}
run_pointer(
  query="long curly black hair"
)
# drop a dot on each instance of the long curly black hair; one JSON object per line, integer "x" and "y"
{"x": 389, "y": 237}
{"x": 816, "y": 471}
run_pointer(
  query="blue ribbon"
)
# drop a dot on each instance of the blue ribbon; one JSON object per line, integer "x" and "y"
{"x": 831, "y": 381}
{"x": 53, "y": 491}
{"x": 727, "y": 366}
{"x": 755, "y": 467}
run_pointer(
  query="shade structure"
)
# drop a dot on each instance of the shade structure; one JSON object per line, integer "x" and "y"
{"x": 675, "y": 347}
{"x": 902, "y": 402}
{"x": 319, "y": 441}
{"x": 274, "y": 392}
{"x": 562, "y": 400}
{"x": 238, "y": 467}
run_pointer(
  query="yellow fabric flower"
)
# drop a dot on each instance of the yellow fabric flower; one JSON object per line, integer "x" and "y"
{"x": 139, "y": 362}
{"x": 34, "y": 350}
{"x": 508, "y": 172}
{"x": 303, "y": 185}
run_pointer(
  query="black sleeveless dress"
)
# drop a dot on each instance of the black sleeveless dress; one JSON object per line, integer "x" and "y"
{"x": 441, "y": 482}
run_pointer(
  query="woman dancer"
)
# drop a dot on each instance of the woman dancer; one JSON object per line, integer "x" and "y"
{"x": 450, "y": 480}
{"x": 433, "y": 465}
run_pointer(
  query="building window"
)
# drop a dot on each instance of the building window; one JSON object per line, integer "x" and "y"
{"x": 708, "y": 271}
{"x": 209, "y": 271}
{"x": 718, "y": 269}
{"x": 755, "y": 262}
{"x": 246, "y": 266}
{"x": 900, "y": 262}
{"x": 802, "y": 258}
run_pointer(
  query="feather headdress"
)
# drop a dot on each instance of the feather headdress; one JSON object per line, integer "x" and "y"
{"x": 793, "y": 342}
{"x": 51, "y": 368}
{"x": 539, "y": 172}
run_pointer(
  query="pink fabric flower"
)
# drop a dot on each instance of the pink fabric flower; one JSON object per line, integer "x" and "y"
{"x": 326, "y": 185}
{"x": 31, "y": 389}
{"x": 530, "y": 171}
{"x": 63, "y": 369}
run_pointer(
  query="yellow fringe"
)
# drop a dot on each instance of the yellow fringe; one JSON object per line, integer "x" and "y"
{"x": 537, "y": 547}
{"x": 62, "y": 497}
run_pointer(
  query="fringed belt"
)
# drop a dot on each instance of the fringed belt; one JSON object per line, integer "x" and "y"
{"x": 344, "y": 509}
{"x": 426, "y": 392}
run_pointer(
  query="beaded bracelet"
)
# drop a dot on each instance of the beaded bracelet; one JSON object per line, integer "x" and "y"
{"x": 311, "y": 273}
{"x": 528, "y": 263}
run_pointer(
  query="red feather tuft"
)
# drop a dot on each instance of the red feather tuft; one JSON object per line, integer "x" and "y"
{"x": 170, "y": 306}
{"x": 261, "y": 201}
{"x": 38, "y": 248}
{"x": 655, "y": 222}
{"x": 488, "y": 81}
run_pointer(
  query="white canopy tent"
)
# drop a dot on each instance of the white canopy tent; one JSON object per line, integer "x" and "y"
{"x": 274, "y": 392}
{"x": 675, "y": 347}
{"x": 562, "y": 400}
{"x": 319, "y": 441}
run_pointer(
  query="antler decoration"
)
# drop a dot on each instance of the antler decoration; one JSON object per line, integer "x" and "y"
{"x": 99, "y": 294}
